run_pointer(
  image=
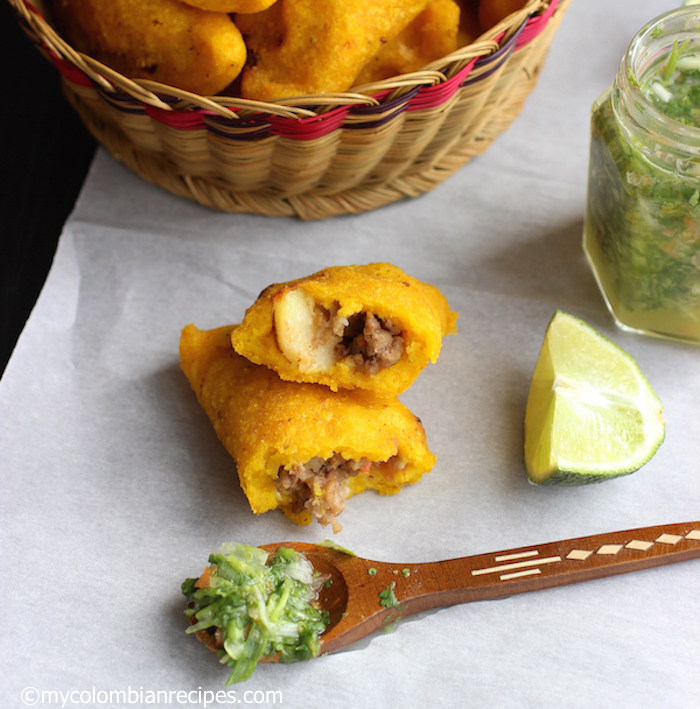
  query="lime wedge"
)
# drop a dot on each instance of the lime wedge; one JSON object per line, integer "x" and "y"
{"x": 591, "y": 414}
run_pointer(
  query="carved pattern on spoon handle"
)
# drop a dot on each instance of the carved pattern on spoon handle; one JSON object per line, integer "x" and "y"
{"x": 570, "y": 561}
{"x": 424, "y": 586}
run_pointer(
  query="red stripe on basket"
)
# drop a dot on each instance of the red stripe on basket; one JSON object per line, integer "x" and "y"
{"x": 70, "y": 72}
{"x": 432, "y": 96}
{"x": 182, "y": 120}
{"x": 311, "y": 127}
{"x": 535, "y": 25}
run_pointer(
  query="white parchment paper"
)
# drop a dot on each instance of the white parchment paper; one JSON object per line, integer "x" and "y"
{"x": 115, "y": 488}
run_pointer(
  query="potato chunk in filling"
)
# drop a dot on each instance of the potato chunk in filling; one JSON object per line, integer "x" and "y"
{"x": 315, "y": 338}
{"x": 321, "y": 486}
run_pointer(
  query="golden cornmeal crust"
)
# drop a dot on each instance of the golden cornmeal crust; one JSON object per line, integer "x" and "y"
{"x": 269, "y": 425}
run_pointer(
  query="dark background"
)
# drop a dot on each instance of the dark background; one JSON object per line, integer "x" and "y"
{"x": 45, "y": 153}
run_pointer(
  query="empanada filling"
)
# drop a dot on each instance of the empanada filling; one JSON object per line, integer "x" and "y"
{"x": 322, "y": 486}
{"x": 373, "y": 344}
{"x": 315, "y": 338}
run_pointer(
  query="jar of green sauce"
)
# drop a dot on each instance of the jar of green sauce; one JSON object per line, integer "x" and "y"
{"x": 642, "y": 225}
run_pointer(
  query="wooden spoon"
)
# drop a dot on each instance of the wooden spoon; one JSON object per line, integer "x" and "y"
{"x": 363, "y": 596}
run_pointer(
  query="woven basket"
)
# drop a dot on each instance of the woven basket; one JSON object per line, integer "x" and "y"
{"x": 314, "y": 156}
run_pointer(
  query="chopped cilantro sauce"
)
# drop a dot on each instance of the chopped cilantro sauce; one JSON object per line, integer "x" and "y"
{"x": 256, "y": 607}
{"x": 387, "y": 597}
{"x": 642, "y": 231}
{"x": 674, "y": 88}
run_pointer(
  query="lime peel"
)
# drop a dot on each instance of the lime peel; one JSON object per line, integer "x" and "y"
{"x": 591, "y": 414}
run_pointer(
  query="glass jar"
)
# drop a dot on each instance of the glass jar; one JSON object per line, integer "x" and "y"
{"x": 642, "y": 225}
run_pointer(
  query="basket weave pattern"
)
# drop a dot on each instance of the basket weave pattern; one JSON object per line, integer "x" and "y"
{"x": 312, "y": 156}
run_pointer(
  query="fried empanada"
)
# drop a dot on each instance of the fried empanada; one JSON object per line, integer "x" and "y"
{"x": 301, "y": 448}
{"x": 299, "y": 47}
{"x": 163, "y": 40}
{"x": 430, "y": 36}
{"x": 231, "y": 6}
{"x": 348, "y": 327}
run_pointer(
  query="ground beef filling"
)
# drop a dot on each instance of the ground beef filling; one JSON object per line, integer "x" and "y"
{"x": 373, "y": 344}
{"x": 321, "y": 486}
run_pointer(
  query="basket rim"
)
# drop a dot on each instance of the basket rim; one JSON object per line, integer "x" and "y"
{"x": 168, "y": 104}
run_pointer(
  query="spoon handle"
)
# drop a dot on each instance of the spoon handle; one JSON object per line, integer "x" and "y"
{"x": 496, "y": 575}
{"x": 377, "y": 593}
